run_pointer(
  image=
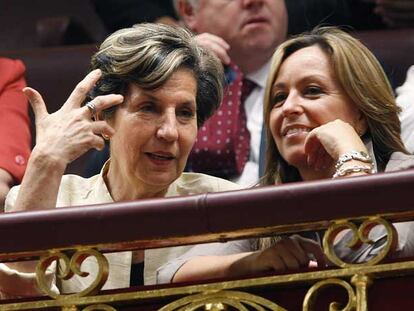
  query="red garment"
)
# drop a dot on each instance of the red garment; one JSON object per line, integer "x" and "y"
{"x": 15, "y": 137}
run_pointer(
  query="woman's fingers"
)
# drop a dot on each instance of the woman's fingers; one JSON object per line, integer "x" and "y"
{"x": 277, "y": 263}
{"x": 334, "y": 138}
{"x": 81, "y": 90}
{"x": 37, "y": 102}
{"x": 293, "y": 252}
{"x": 287, "y": 255}
{"x": 323, "y": 159}
{"x": 297, "y": 250}
{"x": 312, "y": 147}
{"x": 313, "y": 248}
{"x": 103, "y": 102}
{"x": 102, "y": 128}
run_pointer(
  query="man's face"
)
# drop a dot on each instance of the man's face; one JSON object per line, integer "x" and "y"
{"x": 257, "y": 26}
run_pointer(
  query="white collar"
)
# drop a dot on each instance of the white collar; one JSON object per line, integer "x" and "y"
{"x": 260, "y": 76}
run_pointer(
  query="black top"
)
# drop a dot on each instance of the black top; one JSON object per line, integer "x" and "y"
{"x": 137, "y": 274}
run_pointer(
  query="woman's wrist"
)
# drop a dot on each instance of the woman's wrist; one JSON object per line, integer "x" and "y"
{"x": 47, "y": 161}
{"x": 354, "y": 163}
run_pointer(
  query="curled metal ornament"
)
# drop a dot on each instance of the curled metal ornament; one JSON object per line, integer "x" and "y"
{"x": 71, "y": 267}
{"x": 100, "y": 307}
{"x": 221, "y": 301}
{"x": 334, "y": 306}
{"x": 359, "y": 236}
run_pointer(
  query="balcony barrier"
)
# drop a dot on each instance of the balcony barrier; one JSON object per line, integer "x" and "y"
{"x": 330, "y": 206}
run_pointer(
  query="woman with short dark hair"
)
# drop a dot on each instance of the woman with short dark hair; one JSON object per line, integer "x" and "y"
{"x": 150, "y": 89}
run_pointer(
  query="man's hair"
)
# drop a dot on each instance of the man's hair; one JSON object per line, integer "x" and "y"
{"x": 147, "y": 55}
{"x": 362, "y": 79}
{"x": 193, "y": 3}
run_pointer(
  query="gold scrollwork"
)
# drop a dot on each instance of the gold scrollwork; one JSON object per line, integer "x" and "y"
{"x": 100, "y": 307}
{"x": 334, "y": 306}
{"x": 359, "y": 236}
{"x": 71, "y": 267}
{"x": 220, "y": 301}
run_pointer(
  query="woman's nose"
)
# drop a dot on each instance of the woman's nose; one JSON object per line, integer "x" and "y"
{"x": 167, "y": 129}
{"x": 292, "y": 105}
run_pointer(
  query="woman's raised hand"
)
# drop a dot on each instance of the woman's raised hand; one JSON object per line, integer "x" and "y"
{"x": 326, "y": 143}
{"x": 68, "y": 133}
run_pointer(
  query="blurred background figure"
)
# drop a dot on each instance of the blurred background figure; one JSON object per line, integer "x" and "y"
{"x": 405, "y": 99}
{"x": 395, "y": 13}
{"x": 15, "y": 138}
{"x": 116, "y": 14}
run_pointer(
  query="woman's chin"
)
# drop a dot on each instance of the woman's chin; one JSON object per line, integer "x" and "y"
{"x": 297, "y": 160}
{"x": 161, "y": 179}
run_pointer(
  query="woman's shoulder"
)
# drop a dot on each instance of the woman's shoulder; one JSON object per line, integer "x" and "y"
{"x": 73, "y": 190}
{"x": 77, "y": 190}
{"x": 400, "y": 161}
{"x": 194, "y": 183}
{"x": 76, "y": 182}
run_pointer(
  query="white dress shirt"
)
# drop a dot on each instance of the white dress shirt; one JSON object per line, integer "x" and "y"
{"x": 405, "y": 99}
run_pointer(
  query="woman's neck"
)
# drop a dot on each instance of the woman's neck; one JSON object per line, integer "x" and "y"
{"x": 123, "y": 187}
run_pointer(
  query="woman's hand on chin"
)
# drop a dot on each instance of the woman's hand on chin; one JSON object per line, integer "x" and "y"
{"x": 68, "y": 133}
{"x": 326, "y": 143}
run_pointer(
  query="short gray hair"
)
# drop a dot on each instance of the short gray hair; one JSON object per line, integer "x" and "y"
{"x": 147, "y": 55}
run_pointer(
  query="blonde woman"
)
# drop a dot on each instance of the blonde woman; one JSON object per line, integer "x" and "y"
{"x": 330, "y": 112}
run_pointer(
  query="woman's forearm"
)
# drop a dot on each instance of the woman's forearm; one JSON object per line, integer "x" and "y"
{"x": 209, "y": 267}
{"x": 6, "y": 181}
{"x": 41, "y": 182}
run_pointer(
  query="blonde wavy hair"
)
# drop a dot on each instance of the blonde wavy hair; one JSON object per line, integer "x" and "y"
{"x": 361, "y": 77}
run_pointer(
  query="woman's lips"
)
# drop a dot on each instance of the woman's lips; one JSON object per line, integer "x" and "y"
{"x": 160, "y": 157}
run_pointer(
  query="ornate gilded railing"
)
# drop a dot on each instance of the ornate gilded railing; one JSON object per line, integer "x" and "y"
{"x": 356, "y": 204}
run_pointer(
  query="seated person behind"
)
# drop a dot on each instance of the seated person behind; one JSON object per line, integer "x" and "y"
{"x": 15, "y": 135}
{"x": 405, "y": 99}
{"x": 150, "y": 89}
{"x": 315, "y": 114}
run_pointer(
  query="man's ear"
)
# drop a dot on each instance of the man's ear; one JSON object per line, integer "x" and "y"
{"x": 187, "y": 13}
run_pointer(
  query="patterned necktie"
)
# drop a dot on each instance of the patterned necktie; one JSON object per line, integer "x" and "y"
{"x": 242, "y": 137}
{"x": 223, "y": 143}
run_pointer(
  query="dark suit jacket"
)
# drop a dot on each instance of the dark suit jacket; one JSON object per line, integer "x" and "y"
{"x": 306, "y": 14}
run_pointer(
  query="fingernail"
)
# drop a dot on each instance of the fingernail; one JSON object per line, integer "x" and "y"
{"x": 97, "y": 72}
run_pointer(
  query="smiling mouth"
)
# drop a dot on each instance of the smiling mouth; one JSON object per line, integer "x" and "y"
{"x": 159, "y": 157}
{"x": 295, "y": 131}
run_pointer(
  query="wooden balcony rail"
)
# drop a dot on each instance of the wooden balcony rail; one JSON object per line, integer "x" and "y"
{"x": 321, "y": 205}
